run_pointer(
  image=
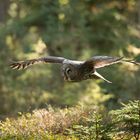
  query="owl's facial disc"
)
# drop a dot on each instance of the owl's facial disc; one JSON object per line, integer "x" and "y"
{"x": 70, "y": 72}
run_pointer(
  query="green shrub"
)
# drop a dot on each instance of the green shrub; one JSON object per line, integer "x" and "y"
{"x": 127, "y": 121}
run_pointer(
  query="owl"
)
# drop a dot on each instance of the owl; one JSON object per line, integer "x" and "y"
{"x": 75, "y": 71}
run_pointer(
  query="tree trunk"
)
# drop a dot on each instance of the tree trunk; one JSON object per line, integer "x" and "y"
{"x": 3, "y": 9}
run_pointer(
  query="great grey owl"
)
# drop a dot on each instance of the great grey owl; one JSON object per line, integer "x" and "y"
{"x": 76, "y": 70}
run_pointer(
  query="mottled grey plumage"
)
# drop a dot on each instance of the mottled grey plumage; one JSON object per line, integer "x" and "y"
{"x": 76, "y": 70}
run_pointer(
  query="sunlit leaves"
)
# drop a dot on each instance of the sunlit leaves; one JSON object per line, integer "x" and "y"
{"x": 13, "y": 10}
{"x": 63, "y": 2}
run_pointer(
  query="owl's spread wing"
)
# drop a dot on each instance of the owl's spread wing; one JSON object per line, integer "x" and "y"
{"x": 97, "y": 75}
{"x": 102, "y": 61}
{"x": 26, "y": 63}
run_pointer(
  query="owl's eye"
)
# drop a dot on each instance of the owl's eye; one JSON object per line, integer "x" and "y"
{"x": 68, "y": 70}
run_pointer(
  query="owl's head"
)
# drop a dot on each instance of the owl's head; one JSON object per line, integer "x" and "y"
{"x": 70, "y": 72}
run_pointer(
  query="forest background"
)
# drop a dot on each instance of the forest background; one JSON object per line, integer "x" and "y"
{"x": 72, "y": 29}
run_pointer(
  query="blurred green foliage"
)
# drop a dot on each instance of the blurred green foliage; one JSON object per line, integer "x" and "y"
{"x": 73, "y": 29}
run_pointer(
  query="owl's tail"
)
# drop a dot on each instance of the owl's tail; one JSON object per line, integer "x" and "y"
{"x": 97, "y": 75}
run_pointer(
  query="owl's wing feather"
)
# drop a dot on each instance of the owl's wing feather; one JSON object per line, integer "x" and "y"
{"x": 24, "y": 64}
{"x": 96, "y": 74}
{"x": 102, "y": 61}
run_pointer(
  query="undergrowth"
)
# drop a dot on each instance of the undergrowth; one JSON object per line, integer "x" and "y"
{"x": 75, "y": 123}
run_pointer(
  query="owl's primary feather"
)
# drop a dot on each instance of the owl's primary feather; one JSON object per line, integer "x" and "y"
{"x": 26, "y": 63}
{"x": 76, "y": 70}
